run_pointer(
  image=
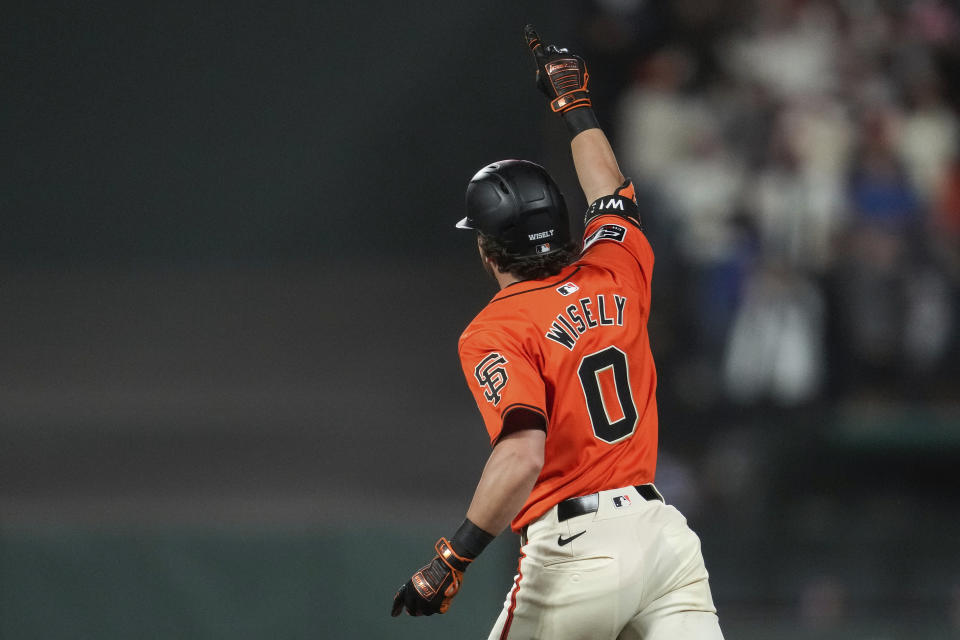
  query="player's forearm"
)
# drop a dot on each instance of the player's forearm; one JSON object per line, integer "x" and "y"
{"x": 596, "y": 164}
{"x": 507, "y": 480}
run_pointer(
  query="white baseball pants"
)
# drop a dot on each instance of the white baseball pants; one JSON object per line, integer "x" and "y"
{"x": 635, "y": 573}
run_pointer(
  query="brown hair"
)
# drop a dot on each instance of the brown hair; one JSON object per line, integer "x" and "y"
{"x": 528, "y": 267}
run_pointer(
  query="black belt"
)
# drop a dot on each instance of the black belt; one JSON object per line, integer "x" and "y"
{"x": 573, "y": 507}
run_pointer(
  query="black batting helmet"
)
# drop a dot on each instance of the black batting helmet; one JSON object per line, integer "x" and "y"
{"x": 517, "y": 203}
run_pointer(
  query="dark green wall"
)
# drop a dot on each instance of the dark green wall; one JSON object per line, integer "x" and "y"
{"x": 217, "y": 584}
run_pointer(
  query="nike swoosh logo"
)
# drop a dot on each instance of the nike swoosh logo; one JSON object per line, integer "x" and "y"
{"x": 561, "y": 541}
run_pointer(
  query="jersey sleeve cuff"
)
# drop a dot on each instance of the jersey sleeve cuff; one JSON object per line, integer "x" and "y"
{"x": 506, "y": 429}
{"x": 520, "y": 405}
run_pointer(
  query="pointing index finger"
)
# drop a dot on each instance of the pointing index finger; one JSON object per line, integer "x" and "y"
{"x": 533, "y": 40}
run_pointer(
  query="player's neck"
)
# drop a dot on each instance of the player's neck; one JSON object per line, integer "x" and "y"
{"x": 504, "y": 279}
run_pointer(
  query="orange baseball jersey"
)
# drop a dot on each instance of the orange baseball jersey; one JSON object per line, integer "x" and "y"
{"x": 574, "y": 348}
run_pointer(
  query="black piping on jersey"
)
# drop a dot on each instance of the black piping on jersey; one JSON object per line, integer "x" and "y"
{"x": 521, "y": 405}
{"x": 546, "y": 286}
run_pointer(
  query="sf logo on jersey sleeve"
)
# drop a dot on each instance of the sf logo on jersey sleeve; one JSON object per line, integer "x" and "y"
{"x": 490, "y": 373}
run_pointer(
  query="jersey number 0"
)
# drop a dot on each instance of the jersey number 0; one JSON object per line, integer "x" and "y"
{"x": 605, "y": 378}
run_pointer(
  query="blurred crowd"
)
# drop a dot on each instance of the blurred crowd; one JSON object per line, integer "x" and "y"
{"x": 799, "y": 166}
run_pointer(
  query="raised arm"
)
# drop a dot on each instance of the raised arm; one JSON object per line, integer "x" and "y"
{"x": 562, "y": 77}
{"x": 596, "y": 165}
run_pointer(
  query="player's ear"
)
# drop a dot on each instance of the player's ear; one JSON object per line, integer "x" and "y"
{"x": 491, "y": 264}
{"x": 487, "y": 260}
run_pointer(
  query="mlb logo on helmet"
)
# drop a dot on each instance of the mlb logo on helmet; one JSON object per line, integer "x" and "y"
{"x": 621, "y": 501}
{"x": 543, "y": 248}
{"x": 567, "y": 288}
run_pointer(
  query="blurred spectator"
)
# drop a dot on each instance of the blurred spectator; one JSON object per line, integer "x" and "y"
{"x": 657, "y": 121}
{"x": 882, "y": 197}
{"x": 929, "y": 320}
{"x": 797, "y": 198}
{"x": 790, "y": 49}
{"x": 776, "y": 350}
{"x": 929, "y": 132}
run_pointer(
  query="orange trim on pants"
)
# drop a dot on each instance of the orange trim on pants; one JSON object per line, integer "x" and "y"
{"x": 513, "y": 598}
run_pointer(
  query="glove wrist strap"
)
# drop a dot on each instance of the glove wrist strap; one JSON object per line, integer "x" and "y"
{"x": 579, "y": 119}
{"x": 571, "y": 100}
{"x": 470, "y": 540}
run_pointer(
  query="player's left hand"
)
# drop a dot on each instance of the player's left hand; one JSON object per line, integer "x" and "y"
{"x": 561, "y": 76}
{"x": 431, "y": 589}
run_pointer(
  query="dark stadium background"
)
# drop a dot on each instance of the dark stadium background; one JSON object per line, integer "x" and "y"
{"x": 230, "y": 294}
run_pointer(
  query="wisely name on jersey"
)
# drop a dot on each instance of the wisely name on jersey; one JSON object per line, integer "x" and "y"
{"x": 586, "y": 314}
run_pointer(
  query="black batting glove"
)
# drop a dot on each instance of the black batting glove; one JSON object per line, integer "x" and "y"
{"x": 562, "y": 77}
{"x": 431, "y": 589}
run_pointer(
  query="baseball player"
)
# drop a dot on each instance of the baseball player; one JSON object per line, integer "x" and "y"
{"x": 559, "y": 363}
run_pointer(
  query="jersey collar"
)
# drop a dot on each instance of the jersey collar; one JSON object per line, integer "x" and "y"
{"x": 526, "y": 286}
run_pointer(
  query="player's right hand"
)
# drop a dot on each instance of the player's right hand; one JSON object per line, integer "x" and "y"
{"x": 431, "y": 589}
{"x": 561, "y": 75}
